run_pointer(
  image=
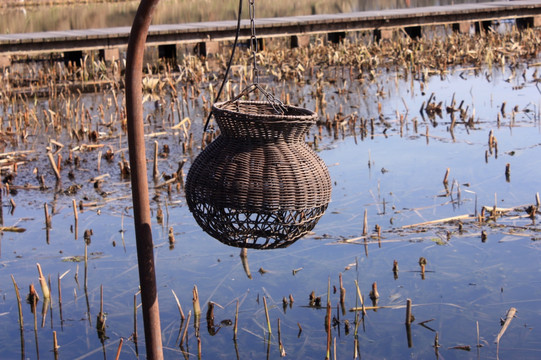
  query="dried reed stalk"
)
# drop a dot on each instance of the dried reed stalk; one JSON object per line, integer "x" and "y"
{"x": 360, "y": 297}
{"x": 12, "y": 229}
{"x": 155, "y": 173}
{"x": 101, "y": 316}
{"x": 75, "y": 213}
{"x": 47, "y": 216}
{"x": 19, "y": 304}
{"x": 55, "y": 345}
{"x": 342, "y": 294}
{"x": 196, "y": 305}
{"x": 119, "y": 349}
{"x": 328, "y": 329}
{"x": 86, "y": 267}
{"x": 185, "y": 328}
{"x": 408, "y": 312}
{"x": 446, "y": 177}
{"x": 178, "y": 305}
{"x": 60, "y": 298}
{"x": 439, "y": 221}
{"x": 510, "y": 315}
{"x": 53, "y": 165}
{"x": 197, "y": 311}
{"x": 267, "y": 315}
{"x": 236, "y": 325}
{"x": 365, "y": 223}
{"x": 374, "y": 294}
{"x": 280, "y": 345}
{"x": 43, "y": 283}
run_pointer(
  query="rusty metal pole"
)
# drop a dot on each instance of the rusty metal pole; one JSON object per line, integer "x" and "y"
{"x": 141, "y": 206}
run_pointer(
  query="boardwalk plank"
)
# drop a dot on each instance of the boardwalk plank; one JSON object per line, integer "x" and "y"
{"x": 268, "y": 27}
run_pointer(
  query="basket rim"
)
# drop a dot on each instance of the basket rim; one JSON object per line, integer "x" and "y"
{"x": 309, "y": 116}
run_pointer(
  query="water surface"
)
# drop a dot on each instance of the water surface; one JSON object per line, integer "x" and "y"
{"x": 394, "y": 173}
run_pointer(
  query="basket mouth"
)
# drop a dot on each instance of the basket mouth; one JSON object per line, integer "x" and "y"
{"x": 264, "y": 111}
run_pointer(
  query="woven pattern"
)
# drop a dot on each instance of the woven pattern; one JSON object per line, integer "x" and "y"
{"x": 258, "y": 185}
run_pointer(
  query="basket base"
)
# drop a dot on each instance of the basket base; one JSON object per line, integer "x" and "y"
{"x": 256, "y": 230}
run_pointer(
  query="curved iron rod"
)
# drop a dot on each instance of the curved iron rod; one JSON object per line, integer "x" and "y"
{"x": 141, "y": 206}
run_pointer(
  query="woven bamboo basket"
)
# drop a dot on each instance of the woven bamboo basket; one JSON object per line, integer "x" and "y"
{"x": 258, "y": 185}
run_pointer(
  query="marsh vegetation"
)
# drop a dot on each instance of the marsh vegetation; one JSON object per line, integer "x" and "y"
{"x": 434, "y": 153}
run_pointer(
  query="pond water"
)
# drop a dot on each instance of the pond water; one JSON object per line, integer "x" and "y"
{"x": 20, "y": 19}
{"x": 475, "y": 271}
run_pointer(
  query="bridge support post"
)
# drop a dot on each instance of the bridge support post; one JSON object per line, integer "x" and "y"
{"x": 481, "y": 26}
{"x": 206, "y": 48}
{"x": 462, "y": 27}
{"x": 336, "y": 37}
{"x": 74, "y": 57}
{"x": 383, "y": 34}
{"x": 260, "y": 44}
{"x": 414, "y": 32}
{"x": 110, "y": 55}
{"x": 168, "y": 52}
{"x": 5, "y": 61}
{"x": 528, "y": 22}
{"x": 301, "y": 41}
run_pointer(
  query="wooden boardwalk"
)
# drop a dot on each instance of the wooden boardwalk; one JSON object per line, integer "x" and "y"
{"x": 110, "y": 38}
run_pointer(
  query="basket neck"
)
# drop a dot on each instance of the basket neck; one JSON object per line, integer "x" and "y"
{"x": 257, "y": 121}
{"x": 263, "y": 131}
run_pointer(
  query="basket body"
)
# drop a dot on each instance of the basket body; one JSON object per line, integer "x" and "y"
{"x": 258, "y": 185}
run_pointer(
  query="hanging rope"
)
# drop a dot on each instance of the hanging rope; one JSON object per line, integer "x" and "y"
{"x": 229, "y": 63}
{"x": 277, "y": 105}
{"x": 253, "y": 44}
